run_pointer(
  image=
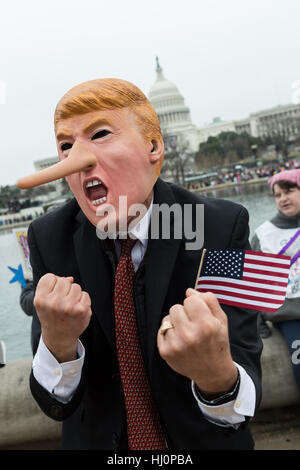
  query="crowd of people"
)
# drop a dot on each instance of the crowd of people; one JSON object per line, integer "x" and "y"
{"x": 242, "y": 174}
{"x": 16, "y": 219}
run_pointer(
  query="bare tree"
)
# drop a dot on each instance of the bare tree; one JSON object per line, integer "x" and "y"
{"x": 179, "y": 158}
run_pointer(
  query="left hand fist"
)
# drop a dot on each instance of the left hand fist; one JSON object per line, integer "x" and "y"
{"x": 198, "y": 345}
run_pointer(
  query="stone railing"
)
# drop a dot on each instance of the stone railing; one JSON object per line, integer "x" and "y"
{"x": 278, "y": 384}
{"x": 22, "y": 423}
{"x": 24, "y": 426}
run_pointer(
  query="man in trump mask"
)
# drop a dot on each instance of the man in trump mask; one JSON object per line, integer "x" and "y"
{"x": 126, "y": 353}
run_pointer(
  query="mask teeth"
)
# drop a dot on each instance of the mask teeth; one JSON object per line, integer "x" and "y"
{"x": 99, "y": 201}
{"x": 93, "y": 183}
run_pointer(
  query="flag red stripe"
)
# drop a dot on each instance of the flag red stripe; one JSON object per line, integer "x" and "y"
{"x": 266, "y": 263}
{"x": 267, "y": 255}
{"x": 242, "y": 286}
{"x": 239, "y": 304}
{"x": 259, "y": 281}
{"x": 243, "y": 296}
{"x": 266, "y": 273}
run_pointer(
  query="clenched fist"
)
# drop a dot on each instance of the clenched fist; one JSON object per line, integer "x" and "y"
{"x": 197, "y": 345}
{"x": 64, "y": 310}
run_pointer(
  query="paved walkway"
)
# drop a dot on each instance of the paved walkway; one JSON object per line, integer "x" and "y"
{"x": 277, "y": 429}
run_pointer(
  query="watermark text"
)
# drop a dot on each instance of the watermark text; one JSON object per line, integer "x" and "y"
{"x": 176, "y": 221}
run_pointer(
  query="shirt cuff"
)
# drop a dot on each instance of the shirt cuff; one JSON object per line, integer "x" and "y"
{"x": 59, "y": 379}
{"x": 233, "y": 412}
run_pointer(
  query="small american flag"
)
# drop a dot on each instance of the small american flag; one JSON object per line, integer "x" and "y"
{"x": 244, "y": 278}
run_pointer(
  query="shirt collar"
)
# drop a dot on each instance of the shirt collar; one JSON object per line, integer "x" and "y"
{"x": 141, "y": 229}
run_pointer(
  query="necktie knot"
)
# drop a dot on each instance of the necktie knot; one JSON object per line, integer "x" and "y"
{"x": 127, "y": 245}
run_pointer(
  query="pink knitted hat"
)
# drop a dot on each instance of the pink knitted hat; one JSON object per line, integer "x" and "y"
{"x": 286, "y": 175}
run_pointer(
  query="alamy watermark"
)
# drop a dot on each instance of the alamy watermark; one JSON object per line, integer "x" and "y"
{"x": 296, "y": 354}
{"x": 167, "y": 222}
{"x": 2, "y": 92}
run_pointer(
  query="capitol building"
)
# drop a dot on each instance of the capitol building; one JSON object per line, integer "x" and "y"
{"x": 177, "y": 126}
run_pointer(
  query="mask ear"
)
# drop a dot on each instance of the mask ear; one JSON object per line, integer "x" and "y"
{"x": 157, "y": 151}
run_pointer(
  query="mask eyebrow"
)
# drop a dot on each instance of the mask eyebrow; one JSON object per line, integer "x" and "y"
{"x": 63, "y": 135}
{"x": 95, "y": 123}
{"x": 92, "y": 125}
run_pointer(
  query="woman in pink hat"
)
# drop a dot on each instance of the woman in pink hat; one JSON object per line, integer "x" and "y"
{"x": 282, "y": 235}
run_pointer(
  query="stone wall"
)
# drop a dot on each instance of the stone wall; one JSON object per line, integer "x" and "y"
{"x": 279, "y": 386}
{"x": 21, "y": 420}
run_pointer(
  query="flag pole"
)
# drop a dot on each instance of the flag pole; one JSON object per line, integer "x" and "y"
{"x": 200, "y": 267}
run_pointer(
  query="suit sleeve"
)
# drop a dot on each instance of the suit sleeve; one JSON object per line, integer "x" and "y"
{"x": 38, "y": 270}
{"x": 26, "y": 299}
{"x": 47, "y": 402}
{"x": 245, "y": 342}
{"x": 240, "y": 232}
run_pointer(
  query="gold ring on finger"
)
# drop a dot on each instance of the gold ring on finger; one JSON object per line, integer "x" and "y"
{"x": 166, "y": 325}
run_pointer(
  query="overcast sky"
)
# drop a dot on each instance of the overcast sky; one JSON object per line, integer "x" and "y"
{"x": 228, "y": 58}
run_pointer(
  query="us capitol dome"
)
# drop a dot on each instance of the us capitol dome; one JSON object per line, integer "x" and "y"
{"x": 174, "y": 116}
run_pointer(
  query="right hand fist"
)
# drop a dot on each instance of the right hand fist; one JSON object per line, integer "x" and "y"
{"x": 64, "y": 310}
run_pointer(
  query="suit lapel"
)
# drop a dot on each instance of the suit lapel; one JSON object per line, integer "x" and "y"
{"x": 94, "y": 268}
{"x": 159, "y": 263}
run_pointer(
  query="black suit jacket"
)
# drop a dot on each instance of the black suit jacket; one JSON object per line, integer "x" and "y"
{"x": 65, "y": 243}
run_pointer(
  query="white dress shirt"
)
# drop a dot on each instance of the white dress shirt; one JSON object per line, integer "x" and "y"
{"x": 62, "y": 379}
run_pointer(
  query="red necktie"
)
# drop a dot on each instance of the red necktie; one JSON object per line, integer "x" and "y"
{"x": 143, "y": 425}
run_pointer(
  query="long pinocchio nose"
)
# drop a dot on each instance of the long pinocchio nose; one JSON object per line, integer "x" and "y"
{"x": 79, "y": 159}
